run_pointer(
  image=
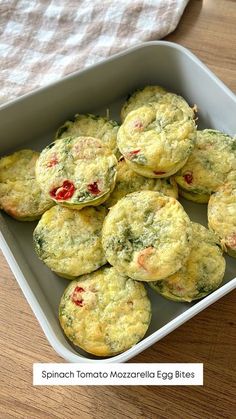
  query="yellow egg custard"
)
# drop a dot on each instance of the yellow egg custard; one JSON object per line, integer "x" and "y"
{"x": 76, "y": 172}
{"x": 69, "y": 241}
{"x": 90, "y": 125}
{"x": 20, "y": 194}
{"x": 202, "y": 272}
{"x": 157, "y": 139}
{"x": 105, "y": 313}
{"x": 222, "y": 216}
{"x": 147, "y": 236}
{"x": 128, "y": 181}
{"x": 211, "y": 163}
{"x": 141, "y": 97}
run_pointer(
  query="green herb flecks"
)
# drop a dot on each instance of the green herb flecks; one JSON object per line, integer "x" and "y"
{"x": 39, "y": 242}
{"x": 62, "y": 310}
{"x": 83, "y": 196}
{"x": 64, "y": 128}
{"x": 50, "y": 145}
{"x": 139, "y": 158}
{"x": 233, "y": 144}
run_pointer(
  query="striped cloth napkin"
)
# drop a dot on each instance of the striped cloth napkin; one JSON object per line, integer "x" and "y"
{"x": 43, "y": 40}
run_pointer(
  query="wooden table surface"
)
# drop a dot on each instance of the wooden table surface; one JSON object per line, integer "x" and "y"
{"x": 208, "y": 29}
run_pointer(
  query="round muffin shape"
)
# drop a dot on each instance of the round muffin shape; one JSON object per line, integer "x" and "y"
{"x": 147, "y": 236}
{"x": 141, "y": 97}
{"x": 208, "y": 167}
{"x": 77, "y": 172}
{"x": 105, "y": 313}
{"x": 156, "y": 139}
{"x": 89, "y": 125}
{"x": 69, "y": 241}
{"x": 128, "y": 181}
{"x": 222, "y": 216}
{"x": 201, "y": 274}
{"x": 20, "y": 194}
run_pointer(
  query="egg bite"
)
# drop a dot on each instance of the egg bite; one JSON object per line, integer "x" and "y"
{"x": 105, "y": 313}
{"x": 147, "y": 236}
{"x": 20, "y": 194}
{"x": 157, "y": 139}
{"x": 69, "y": 241}
{"x": 89, "y": 125}
{"x": 77, "y": 172}
{"x": 141, "y": 97}
{"x": 208, "y": 167}
{"x": 222, "y": 216}
{"x": 202, "y": 272}
{"x": 128, "y": 181}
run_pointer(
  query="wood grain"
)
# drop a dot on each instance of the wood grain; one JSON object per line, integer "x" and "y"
{"x": 208, "y": 29}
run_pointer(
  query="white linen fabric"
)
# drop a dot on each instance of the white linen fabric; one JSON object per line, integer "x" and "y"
{"x": 43, "y": 40}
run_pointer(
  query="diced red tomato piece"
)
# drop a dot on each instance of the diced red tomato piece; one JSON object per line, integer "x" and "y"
{"x": 93, "y": 188}
{"x": 158, "y": 173}
{"x": 76, "y": 297}
{"x": 188, "y": 177}
{"x": 61, "y": 193}
{"x": 144, "y": 256}
{"x": 231, "y": 241}
{"x": 132, "y": 153}
{"x": 52, "y": 162}
{"x": 138, "y": 125}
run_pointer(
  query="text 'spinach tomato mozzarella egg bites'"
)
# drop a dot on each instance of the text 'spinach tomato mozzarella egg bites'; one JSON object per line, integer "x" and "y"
{"x": 20, "y": 194}
{"x": 141, "y": 97}
{"x": 91, "y": 126}
{"x": 156, "y": 139}
{"x": 147, "y": 236}
{"x": 76, "y": 172}
{"x": 128, "y": 181}
{"x": 69, "y": 241}
{"x": 105, "y": 313}
{"x": 222, "y": 216}
{"x": 208, "y": 167}
{"x": 201, "y": 274}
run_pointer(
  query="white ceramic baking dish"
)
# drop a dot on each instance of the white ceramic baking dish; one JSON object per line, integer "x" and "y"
{"x": 32, "y": 120}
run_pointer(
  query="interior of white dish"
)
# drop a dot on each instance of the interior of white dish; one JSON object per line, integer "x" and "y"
{"x": 33, "y": 120}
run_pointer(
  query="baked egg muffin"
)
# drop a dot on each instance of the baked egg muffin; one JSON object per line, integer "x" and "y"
{"x": 105, "y": 313}
{"x": 128, "y": 181}
{"x": 76, "y": 172}
{"x": 69, "y": 241}
{"x": 208, "y": 167}
{"x": 222, "y": 216}
{"x": 147, "y": 236}
{"x": 157, "y": 139}
{"x": 141, "y": 97}
{"x": 20, "y": 194}
{"x": 202, "y": 272}
{"x": 90, "y": 125}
